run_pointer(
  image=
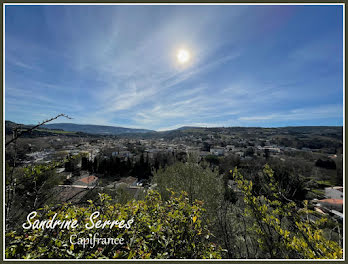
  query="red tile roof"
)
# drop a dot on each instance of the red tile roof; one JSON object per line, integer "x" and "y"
{"x": 88, "y": 179}
{"x": 332, "y": 201}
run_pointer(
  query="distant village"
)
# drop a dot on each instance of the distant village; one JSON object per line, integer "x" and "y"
{"x": 212, "y": 144}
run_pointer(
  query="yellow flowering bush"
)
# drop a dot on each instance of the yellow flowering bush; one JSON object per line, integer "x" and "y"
{"x": 159, "y": 229}
{"x": 283, "y": 230}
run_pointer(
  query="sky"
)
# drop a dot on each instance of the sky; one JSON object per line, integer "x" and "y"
{"x": 249, "y": 65}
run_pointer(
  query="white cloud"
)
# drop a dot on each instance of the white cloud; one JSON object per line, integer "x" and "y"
{"x": 128, "y": 56}
{"x": 325, "y": 111}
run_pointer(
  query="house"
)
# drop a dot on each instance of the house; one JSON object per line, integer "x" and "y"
{"x": 192, "y": 150}
{"x": 217, "y": 151}
{"x": 335, "y": 192}
{"x": 87, "y": 181}
{"x": 127, "y": 181}
{"x": 240, "y": 153}
{"x": 331, "y": 204}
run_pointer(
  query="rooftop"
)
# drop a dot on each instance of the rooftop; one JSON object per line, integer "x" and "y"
{"x": 88, "y": 179}
{"x": 332, "y": 201}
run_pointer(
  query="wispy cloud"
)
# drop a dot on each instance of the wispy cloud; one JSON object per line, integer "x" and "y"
{"x": 325, "y": 111}
{"x": 117, "y": 65}
{"x": 17, "y": 62}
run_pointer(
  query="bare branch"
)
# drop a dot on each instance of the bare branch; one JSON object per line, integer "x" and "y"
{"x": 17, "y": 135}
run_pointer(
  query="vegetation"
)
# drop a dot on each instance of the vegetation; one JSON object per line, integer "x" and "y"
{"x": 176, "y": 226}
{"x": 159, "y": 229}
{"x": 198, "y": 182}
{"x": 182, "y": 205}
{"x": 30, "y": 187}
{"x": 284, "y": 230}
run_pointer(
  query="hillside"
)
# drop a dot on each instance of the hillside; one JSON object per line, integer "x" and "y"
{"x": 95, "y": 129}
{"x": 75, "y": 128}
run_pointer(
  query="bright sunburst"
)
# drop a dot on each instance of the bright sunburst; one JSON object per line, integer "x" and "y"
{"x": 183, "y": 56}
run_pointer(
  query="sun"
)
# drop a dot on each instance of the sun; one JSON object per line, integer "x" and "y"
{"x": 183, "y": 56}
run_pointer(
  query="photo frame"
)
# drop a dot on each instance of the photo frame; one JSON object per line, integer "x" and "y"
{"x": 173, "y": 131}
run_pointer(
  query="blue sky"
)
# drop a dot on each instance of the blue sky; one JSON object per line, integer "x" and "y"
{"x": 263, "y": 66}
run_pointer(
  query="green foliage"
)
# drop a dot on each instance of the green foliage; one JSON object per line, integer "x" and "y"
{"x": 213, "y": 160}
{"x": 199, "y": 183}
{"x": 283, "y": 230}
{"x": 327, "y": 164}
{"x": 289, "y": 176}
{"x": 229, "y": 193}
{"x": 161, "y": 229}
{"x": 123, "y": 195}
{"x": 30, "y": 186}
{"x": 249, "y": 152}
{"x": 228, "y": 162}
{"x": 339, "y": 170}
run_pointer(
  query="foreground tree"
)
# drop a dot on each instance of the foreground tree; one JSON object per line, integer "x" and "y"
{"x": 198, "y": 182}
{"x": 32, "y": 187}
{"x": 30, "y": 182}
{"x": 284, "y": 230}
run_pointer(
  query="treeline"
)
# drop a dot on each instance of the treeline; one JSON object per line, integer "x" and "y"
{"x": 311, "y": 142}
{"x": 296, "y": 175}
{"x": 256, "y": 216}
{"x": 118, "y": 168}
{"x": 142, "y": 167}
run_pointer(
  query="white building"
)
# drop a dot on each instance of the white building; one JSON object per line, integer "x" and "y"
{"x": 335, "y": 192}
{"x": 217, "y": 151}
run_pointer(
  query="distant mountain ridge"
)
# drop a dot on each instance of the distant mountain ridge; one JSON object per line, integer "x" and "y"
{"x": 113, "y": 130}
{"x": 95, "y": 129}
{"x": 188, "y": 127}
{"x": 89, "y": 129}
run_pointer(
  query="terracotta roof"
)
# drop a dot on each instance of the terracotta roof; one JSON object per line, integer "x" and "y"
{"x": 332, "y": 201}
{"x": 88, "y": 179}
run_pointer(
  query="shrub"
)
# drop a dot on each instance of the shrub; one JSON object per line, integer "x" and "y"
{"x": 283, "y": 229}
{"x": 161, "y": 229}
{"x": 199, "y": 183}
